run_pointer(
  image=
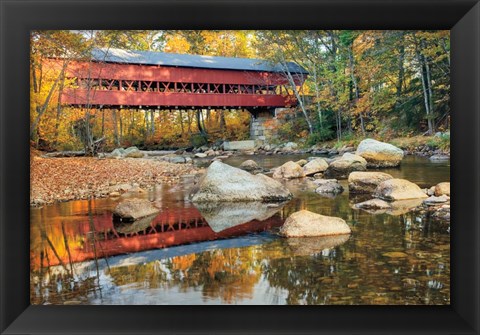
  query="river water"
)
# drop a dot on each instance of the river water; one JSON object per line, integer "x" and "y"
{"x": 79, "y": 256}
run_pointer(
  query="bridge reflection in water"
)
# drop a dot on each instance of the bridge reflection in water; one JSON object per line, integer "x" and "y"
{"x": 78, "y": 238}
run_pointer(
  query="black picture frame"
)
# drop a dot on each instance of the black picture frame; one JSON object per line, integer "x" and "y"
{"x": 18, "y": 17}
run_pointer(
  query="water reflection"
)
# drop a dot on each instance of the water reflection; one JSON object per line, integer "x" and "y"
{"x": 221, "y": 216}
{"x": 189, "y": 255}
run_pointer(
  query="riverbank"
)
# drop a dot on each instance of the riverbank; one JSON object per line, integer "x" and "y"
{"x": 130, "y": 170}
{"x": 63, "y": 179}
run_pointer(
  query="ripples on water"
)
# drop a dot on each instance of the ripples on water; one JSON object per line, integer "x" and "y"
{"x": 78, "y": 256}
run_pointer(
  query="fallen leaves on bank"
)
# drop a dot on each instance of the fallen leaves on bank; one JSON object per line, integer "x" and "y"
{"x": 63, "y": 179}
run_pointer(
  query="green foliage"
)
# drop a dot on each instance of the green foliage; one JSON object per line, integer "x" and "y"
{"x": 440, "y": 142}
{"x": 319, "y": 136}
{"x": 293, "y": 129}
{"x": 197, "y": 140}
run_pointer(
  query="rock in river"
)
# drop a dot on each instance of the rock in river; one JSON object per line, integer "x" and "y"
{"x": 373, "y": 204}
{"x": 433, "y": 200}
{"x": 341, "y": 168}
{"x": 442, "y": 189}
{"x": 379, "y": 154}
{"x": 289, "y": 170}
{"x": 328, "y": 186}
{"x": 366, "y": 182}
{"x": 249, "y": 165}
{"x": 223, "y": 183}
{"x": 305, "y": 223}
{"x": 221, "y": 216}
{"x": 398, "y": 189}
{"x": 315, "y": 166}
{"x": 134, "y": 209}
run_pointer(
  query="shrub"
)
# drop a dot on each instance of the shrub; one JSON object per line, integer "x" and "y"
{"x": 198, "y": 140}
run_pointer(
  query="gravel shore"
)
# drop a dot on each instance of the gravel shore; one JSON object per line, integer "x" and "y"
{"x": 62, "y": 179}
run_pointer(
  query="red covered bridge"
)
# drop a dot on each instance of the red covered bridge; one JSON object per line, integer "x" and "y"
{"x": 117, "y": 78}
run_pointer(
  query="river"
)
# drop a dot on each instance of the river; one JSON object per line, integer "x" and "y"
{"x": 79, "y": 256}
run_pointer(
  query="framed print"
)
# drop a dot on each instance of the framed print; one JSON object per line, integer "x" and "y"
{"x": 296, "y": 157}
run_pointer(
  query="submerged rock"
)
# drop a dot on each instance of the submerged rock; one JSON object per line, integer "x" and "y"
{"x": 134, "y": 209}
{"x": 366, "y": 182}
{"x": 398, "y": 189}
{"x": 224, "y": 183}
{"x": 221, "y": 216}
{"x": 433, "y": 200}
{"x": 289, "y": 170}
{"x": 328, "y": 186}
{"x": 379, "y": 154}
{"x": 373, "y": 204}
{"x": 305, "y": 223}
{"x": 439, "y": 158}
{"x": 378, "y": 206}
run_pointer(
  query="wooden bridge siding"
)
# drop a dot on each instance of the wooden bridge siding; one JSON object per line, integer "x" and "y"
{"x": 115, "y": 71}
{"x": 171, "y": 99}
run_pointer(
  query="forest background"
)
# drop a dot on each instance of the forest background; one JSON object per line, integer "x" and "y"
{"x": 389, "y": 85}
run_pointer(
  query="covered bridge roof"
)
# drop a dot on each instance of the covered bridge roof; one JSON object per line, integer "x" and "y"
{"x": 112, "y": 55}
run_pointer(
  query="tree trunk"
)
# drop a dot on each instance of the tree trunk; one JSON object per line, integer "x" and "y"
{"x": 355, "y": 86}
{"x": 152, "y": 122}
{"x": 222, "y": 120}
{"x": 121, "y": 126}
{"x": 41, "y": 109}
{"x": 115, "y": 128}
{"x": 317, "y": 98}
{"x": 103, "y": 122}
{"x": 431, "y": 122}
{"x": 298, "y": 96}
{"x": 199, "y": 123}
{"x": 59, "y": 107}
{"x": 189, "y": 121}
{"x": 181, "y": 122}
{"x": 421, "y": 61}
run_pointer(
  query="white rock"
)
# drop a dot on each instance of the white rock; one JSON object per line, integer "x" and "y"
{"x": 305, "y": 223}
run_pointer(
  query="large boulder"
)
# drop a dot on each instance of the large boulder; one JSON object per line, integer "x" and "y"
{"x": 342, "y": 167}
{"x": 117, "y": 153}
{"x": 133, "y": 152}
{"x": 379, "y": 154}
{"x": 398, "y": 189}
{"x": 315, "y": 166}
{"x": 223, "y": 183}
{"x": 134, "y": 209}
{"x": 366, "y": 182}
{"x": 289, "y": 170}
{"x": 225, "y": 215}
{"x": 305, "y": 223}
{"x": 442, "y": 189}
